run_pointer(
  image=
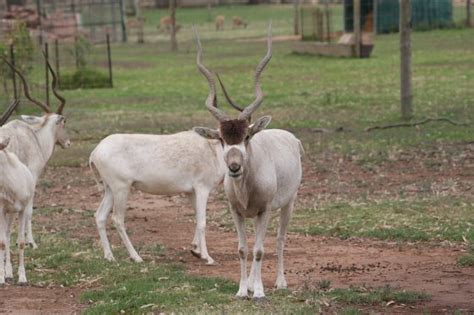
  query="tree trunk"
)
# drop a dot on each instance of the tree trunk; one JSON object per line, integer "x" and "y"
{"x": 297, "y": 15}
{"x": 405, "y": 59}
{"x": 357, "y": 28}
{"x": 174, "y": 43}
{"x": 469, "y": 13}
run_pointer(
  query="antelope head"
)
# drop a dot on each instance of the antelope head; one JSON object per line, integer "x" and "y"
{"x": 56, "y": 118}
{"x": 234, "y": 134}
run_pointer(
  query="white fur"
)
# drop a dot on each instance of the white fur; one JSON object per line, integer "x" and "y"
{"x": 268, "y": 180}
{"x": 16, "y": 196}
{"x": 32, "y": 141}
{"x": 161, "y": 165}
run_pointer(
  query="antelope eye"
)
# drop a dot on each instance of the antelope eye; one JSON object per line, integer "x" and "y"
{"x": 247, "y": 138}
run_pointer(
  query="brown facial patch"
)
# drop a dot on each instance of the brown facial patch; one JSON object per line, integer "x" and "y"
{"x": 234, "y": 131}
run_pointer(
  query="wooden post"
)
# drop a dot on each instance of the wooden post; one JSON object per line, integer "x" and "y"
{"x": 46, "y": 71}
{"x": 297, "y": 17}
{"x": 40, "y": 21}
{"x": 405, "y": 59}
{"x": 56, "y": 54}
{"x": 12, "y": 58}
{"x": 357, "y": 32}
{"x": 469, "y": 13}
{"x": 109, "y": 60}
{"x": 122, "y": 21}
{"x": 174, "y": 43}
{"x": 328, "y": 23}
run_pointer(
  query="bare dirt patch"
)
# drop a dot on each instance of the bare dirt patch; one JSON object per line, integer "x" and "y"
{"x": 170, "y": 221}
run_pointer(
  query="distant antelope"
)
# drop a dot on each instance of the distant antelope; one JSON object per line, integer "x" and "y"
{"x": 220, "y": 19}
{"x": 263, "y": 174}
{"x": 157, "y": 164}
{"x": 33, "y": 140}
{"x": 166, "y": 24}
{"x": 238, "y": 22}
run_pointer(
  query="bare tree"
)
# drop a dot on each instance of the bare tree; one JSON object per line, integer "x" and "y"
{"x": 405, "y": 59}
{"x": 174, "y": 43}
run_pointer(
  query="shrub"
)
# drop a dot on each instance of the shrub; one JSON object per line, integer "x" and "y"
{"x": 83, "y": 79}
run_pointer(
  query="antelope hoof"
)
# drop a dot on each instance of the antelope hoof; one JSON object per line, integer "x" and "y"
{"x": 110, "y": 258}
{"x": 210, "y": 261}
{"x": 137, "y": 259}
{"x": 8, "y": 279}
{"x": 242, "y": 294}
{"x": 22, "y": 283}
{"x": 33, "y": 245}
{"x": 281, "y": 284}
{"x": 195, "y": 253}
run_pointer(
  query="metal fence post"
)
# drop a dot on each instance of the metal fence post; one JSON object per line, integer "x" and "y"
{"x": 109, "y": 59}
{"x": 46, "y": 71}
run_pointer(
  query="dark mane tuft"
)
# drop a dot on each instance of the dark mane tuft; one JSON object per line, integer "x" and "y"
{"x": 234, "y": 131}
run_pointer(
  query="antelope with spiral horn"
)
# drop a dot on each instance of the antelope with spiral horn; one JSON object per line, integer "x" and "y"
{"x": 263, "y": 174}
{"x": 33, "y": 138}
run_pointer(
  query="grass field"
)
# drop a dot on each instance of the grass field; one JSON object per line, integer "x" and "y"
{"x": 402, "y": 184}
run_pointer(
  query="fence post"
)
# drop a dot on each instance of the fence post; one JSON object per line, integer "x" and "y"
{"x": 46, "y": 71}
{"x": 469, "y": 13}
{"x": 109, "y": 59}
{"x": 328, "y": 23}
{"x": 405, "y": 59}
{"x": 357, "y": 33}
{"x": 297, "y": 17}
{"x": 12, "y": 58}
{"x": 174, "y": 43}
{"x": 122, "y": 21}
{"x": 56, "y": 53}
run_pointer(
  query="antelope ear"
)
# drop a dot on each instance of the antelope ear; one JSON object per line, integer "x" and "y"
{"x": 259, "y": 125}
{"x": 207, "y": 133}
{"x": 32, "y": 120}
{"x": 4, "y": 142}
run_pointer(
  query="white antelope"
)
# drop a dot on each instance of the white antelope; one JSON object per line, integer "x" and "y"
{"x": 16, "y": 193}
{"x": 34, "y": 138}
{"x": 263, "y": 175}
{"x": 157, "y": 164}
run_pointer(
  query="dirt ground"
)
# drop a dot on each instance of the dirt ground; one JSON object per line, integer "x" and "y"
{"x": 430, "y": 268}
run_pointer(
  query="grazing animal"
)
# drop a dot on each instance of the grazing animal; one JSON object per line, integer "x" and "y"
{"x": 34, "y": 138}
{"x": 238, "y": 22}
{"x": 263, "y": 175}
{"x": 157, "y": 164}
{"x": 17, "y": 188}
{"x": 166, "y": 24}
{"x": 220, "y": 19}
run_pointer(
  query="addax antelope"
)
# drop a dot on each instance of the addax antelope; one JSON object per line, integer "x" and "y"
{"x": 34, "y": 138}
{"x": 263, "y": 174}
{"x": 16, "y": 193}
{"x": 157, "y": 164}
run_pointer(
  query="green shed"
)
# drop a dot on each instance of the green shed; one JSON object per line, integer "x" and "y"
{"x": 384, "y": 15}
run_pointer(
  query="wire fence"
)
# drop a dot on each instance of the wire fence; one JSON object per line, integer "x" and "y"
{"x": 74, "y": 65}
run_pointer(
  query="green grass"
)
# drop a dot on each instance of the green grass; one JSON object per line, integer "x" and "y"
{"x": 402, "y": 220}
{"x": 159, "y": 286}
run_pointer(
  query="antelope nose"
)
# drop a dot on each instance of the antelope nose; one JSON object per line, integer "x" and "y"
{"x": 234, "y": 167}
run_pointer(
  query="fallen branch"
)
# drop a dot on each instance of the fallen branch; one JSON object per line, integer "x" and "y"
{"x": 417, "y": 123}
{"x": 324, "y": 130}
